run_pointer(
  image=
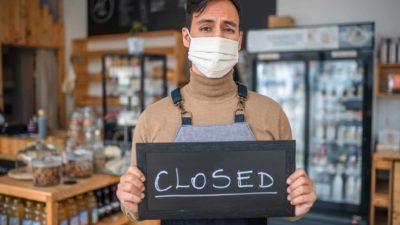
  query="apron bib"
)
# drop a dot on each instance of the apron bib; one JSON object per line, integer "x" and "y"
{"x": 238, "y": 131}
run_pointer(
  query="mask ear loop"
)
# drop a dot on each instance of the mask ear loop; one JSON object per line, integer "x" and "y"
{"x": 187, "y": 30}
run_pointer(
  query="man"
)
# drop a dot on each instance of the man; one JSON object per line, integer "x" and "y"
{"x": 212, "y": 105}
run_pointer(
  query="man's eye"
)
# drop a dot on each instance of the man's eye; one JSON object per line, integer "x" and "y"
{"x": 229, "y": 30}
{"x": 205, "y": 29}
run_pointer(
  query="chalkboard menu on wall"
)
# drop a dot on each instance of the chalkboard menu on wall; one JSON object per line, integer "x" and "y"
{"x": 116, "y": 16}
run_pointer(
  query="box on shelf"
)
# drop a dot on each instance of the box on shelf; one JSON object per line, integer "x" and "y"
{"x": 280, "y": 21}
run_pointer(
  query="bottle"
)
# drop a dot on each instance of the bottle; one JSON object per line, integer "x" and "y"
{"x": 107, "y": 201}
{"x": 16, "y": 213}
{"x": 114, "y": 199}
{"x": 3, "y": 213}
{"x": 42, "y": 124}
{"x": 37, "y": 214}
{"x": 82, "y": 210}
{"x": 393, "y": 51}
{"x": 337, "y": 194}
{"x": 100, "y": 205}
{"x": 91, "y": 205}
{"x": 29, "y": 213}
{"x": 62, "y": 216}
{"x": 7, "y": 210}
{"x": 73, "y": 216}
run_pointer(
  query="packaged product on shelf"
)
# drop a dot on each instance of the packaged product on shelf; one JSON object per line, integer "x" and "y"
{"x": 114, "y": 199}
{"x": 47, "y": 171}
{"x": 62, "y": 215}
{"x": 7, "y": 206}
{"x": 107, "y": 201}
{"x": 39, "y": 211}
{"x": 100, "y": 206}
{"x": 29, "y": 213}
{"x": 73, "y": 216}
{"x": 16, "y": 212}
{"x": 82, "y": 210}
{"x": 3, "y": 212}
{"x": 91, "y": 205}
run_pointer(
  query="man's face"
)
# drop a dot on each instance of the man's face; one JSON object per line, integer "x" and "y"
{"x": 219, "y": 19}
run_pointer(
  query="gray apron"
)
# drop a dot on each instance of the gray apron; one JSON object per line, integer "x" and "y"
{"x": 239, "y": 131}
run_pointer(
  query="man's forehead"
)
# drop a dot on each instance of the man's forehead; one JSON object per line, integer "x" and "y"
{"x": 218, "y": 9}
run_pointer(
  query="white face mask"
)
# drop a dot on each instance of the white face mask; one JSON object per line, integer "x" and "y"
{"x": 213, "y": 56}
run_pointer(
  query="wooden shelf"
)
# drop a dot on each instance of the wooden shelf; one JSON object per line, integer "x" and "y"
{"x": 116, "y": 219}
{"x": 381, "y": 76}
{"x": 25, "y": 189}
{"x": 381, "y": 200}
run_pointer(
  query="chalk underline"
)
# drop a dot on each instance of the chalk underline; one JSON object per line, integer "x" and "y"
{"x": 215, "y": 195}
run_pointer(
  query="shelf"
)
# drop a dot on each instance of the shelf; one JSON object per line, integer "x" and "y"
{"x": 116, "y": 219}
{"x": 388, "y": 95}
{"x": 381, "y": 200}
{"x": 26, "y": 190}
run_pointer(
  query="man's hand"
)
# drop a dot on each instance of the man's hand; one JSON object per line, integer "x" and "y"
{"x": 301, "y": 192}
{"x": 130, "y": 189}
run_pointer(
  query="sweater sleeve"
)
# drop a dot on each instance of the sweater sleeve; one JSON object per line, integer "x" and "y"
{"x": 139, "y": 136}
{"x": 285, "y": 131}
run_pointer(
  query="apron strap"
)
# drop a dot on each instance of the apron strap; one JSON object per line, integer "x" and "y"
{"x": 187, "y": 116}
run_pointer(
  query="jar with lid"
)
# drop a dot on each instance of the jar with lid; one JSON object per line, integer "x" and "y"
{"x": 79, "y": 164}
{"x": 47, "y": 171}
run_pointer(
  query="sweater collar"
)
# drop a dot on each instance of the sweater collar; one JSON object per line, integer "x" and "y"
{"x": 211, "y": 89}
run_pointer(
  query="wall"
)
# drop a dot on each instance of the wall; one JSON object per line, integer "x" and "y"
{"x": 75, "y": 22}
{"x": 385, "y": 14}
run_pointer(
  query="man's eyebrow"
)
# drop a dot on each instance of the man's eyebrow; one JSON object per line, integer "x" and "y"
{"x": 205, "y": 21}
{"x": 230, "y": 22}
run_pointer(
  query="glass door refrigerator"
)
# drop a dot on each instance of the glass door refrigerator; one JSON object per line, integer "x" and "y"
{"x": 322, "y": 78}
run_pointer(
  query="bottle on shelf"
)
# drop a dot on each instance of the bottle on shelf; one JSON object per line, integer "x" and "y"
{"x": 100, "y": 206}
{"x": 82, "y": 210}
{"x": 114, "y": 199}
{"x": 7, "y": 208}
{"x": 73, "y": 216}
{"x": 91, "y": 205}
{"x": 29, "y": 213}
{"x": 16, "y": 212}
{"x": 3, "y": 213}
{"x": 337, "y": 193}
{"x": 107, "y": 201}
{"x": 38, "y": 215}
{"x": 62, "y": 215}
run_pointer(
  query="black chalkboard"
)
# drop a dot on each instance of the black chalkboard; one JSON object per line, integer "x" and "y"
{"x": 216, "y": 179}
{"x": 116, "y": 16}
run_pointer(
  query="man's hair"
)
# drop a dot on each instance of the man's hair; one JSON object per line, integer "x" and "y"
{"x": 195, "y": 6}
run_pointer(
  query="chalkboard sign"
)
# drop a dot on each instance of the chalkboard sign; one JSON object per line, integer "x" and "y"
{"x": 116, "y": 16}
{"x": 216, "y": 179}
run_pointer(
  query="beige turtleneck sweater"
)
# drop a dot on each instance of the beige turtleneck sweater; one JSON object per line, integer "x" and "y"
{"x": 211, "y": 101}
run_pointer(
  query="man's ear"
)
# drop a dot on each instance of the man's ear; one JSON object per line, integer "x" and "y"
{"x": 185, "y": 37}
{"x": 240, "y": 40}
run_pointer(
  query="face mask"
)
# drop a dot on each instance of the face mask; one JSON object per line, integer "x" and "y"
{"x": 213, "y": 56}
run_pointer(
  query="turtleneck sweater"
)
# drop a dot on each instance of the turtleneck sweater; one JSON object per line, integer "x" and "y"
{"x": 211, "y": 102}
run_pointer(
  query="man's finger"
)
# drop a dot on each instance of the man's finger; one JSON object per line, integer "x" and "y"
{"x": 301, "y": 190}
{"x": 297, "y": 183}
{"x": 130, "y": 198}
{"x": 132, "y": 179}
{"x": 294, "y": 176}
{"x": 303, "y": 199}
{"x": 134, "y": 170}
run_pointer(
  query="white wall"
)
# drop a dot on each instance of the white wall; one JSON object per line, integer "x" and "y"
{"x": 385, "y": 14}
{"x": 75, "y": 25}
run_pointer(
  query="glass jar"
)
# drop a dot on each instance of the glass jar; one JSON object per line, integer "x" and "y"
{"x": 47, "y": 171}
{"x": 79, "y": 164}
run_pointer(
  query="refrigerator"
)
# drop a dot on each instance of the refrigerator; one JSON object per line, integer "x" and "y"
{"x": 322, "y": 78}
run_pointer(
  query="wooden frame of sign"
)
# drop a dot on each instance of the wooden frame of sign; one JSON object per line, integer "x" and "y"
{"x": 216, "y": 179}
